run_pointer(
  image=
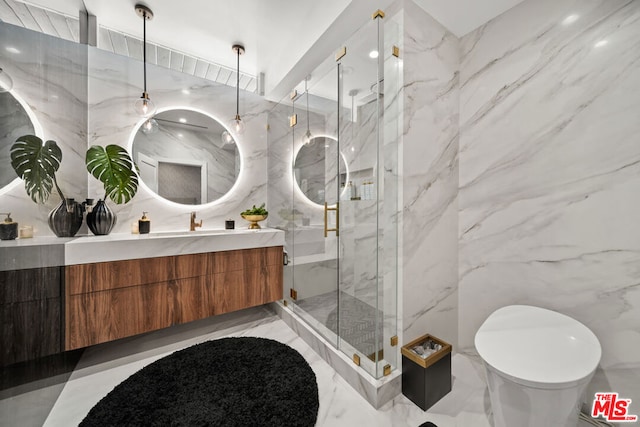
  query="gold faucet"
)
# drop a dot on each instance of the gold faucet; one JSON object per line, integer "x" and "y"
{"x": 193, "y": 224}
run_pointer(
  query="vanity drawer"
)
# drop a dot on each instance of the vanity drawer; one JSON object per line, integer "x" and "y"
{"x": 83, "y": 278}
{"x": 33, "y": 284}
{"x": 246, "y": 258}
{"x": 103, "y": 316}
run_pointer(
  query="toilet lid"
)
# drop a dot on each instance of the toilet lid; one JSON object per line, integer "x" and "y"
{"x": 538, "y": 345}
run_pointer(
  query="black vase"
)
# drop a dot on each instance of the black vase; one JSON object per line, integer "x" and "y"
{"x": 66, "y": 219}
{"x": 101, "y": 219}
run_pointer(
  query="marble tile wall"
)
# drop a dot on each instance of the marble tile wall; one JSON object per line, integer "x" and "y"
{"x": 49, "y": 75}
{"x": 550, "y": 173}
{"x": 428, "y": 298}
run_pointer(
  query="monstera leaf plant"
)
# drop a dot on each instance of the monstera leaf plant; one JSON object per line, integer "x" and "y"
{"x": 113, "y": 166}
{"x": 36, "y": 163}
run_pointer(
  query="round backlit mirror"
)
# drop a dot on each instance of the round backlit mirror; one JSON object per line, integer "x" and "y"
{"x": 315, "y": 171}
{"x": 186, "y": 156}
{"x": 15, "y": 121}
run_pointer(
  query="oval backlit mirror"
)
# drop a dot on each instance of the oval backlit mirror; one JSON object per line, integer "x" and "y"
{"x": 15, "y": 121}
{"x": 185, "y": 157}
{"x": 314, "y": 169}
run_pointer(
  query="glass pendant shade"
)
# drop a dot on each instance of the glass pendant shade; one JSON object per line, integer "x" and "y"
{"x": 306, "y": 139}
{"x": 237, "y": 125}
{"x": 6, "y": 83}
{"x": 144, "y": 106}
{"x": 150, "y": 126}
{"x": 227, "y": 138}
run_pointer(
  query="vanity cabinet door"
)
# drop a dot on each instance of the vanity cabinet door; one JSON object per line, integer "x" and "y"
{"x": 247, "y": 278}
{"x": 235, "y": 290}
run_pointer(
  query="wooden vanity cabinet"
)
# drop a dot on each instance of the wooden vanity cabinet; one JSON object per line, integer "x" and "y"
{"x": 112, "y": 300}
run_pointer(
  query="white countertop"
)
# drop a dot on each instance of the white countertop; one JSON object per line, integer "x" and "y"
{"x": 55, "y": 251}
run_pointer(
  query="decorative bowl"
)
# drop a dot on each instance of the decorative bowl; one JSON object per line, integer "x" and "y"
{"x": 254, "y": 219}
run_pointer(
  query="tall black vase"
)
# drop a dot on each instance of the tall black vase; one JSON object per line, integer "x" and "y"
{"x": 101, "y": 219}
{"x": 66, "y": 219}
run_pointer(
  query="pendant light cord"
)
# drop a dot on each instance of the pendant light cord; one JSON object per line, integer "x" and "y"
{"x": 144, "y": 47}
{"x": 238, "y": 84}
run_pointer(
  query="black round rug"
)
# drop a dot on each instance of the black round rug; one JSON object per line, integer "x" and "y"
{"x": 241, "y": 381}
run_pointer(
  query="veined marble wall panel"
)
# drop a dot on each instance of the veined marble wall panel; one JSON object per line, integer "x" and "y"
{"x": 114, "y": 84}
{"x": 49, "y": 74}
{"x": 280, "y": 159}
{"x": 550, "y": 173}
{"x": 429, "y": 171}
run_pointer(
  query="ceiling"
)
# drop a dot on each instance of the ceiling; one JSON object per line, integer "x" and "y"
{"x": 283, "y": 38}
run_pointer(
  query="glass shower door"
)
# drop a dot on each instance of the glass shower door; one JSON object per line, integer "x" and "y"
{"x": 315, "y": 202}
{"x": 367, "y": 265}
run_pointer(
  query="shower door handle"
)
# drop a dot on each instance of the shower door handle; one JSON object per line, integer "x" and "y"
{"x": 326, "y": 211}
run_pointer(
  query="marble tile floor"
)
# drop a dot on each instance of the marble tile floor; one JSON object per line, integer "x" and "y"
{"x": 65, "y": 398}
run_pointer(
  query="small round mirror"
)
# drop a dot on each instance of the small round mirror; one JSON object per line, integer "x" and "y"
{"x": 186, "y": 156}
{"x": 14, "y": 123}
{"x": 315, "y": 170}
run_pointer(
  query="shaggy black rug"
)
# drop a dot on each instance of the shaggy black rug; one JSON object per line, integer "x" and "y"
{"x": 241, "y": 381}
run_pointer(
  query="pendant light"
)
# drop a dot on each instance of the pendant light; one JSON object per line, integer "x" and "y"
{"x": 150, "y": 126}
{"x": 226, "y": 138}
{"x": 144, "y": 107}
{"x": 237, "y": 125}
{"x": 6, "y": 84}
{"x": 306, "y": 139}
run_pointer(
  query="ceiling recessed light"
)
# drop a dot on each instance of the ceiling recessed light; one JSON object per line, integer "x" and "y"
{"x": 182, "y": 120}
{"x": 600, "y": 43}
{"x": 12, "y": 49}
{"x": 179, "y": 135}
{"x": 186, "y": 91}
{"x": 570, "y": 19}
{"x": 373, "y": 54}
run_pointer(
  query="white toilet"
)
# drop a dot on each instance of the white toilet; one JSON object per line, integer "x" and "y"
{"x": 538, "y": 364}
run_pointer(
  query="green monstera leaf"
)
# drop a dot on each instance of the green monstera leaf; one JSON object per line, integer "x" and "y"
{"x": 36, "y": 163}
{"x": 113, "y": 166}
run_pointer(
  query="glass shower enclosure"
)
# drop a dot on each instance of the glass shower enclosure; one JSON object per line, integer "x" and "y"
{"x": 338, "y": 198}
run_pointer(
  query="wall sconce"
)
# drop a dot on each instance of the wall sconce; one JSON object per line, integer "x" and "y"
{"x": 237, "y": 124}
{"x": 6, "y": 83}
{"x": 144, "y": 107}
